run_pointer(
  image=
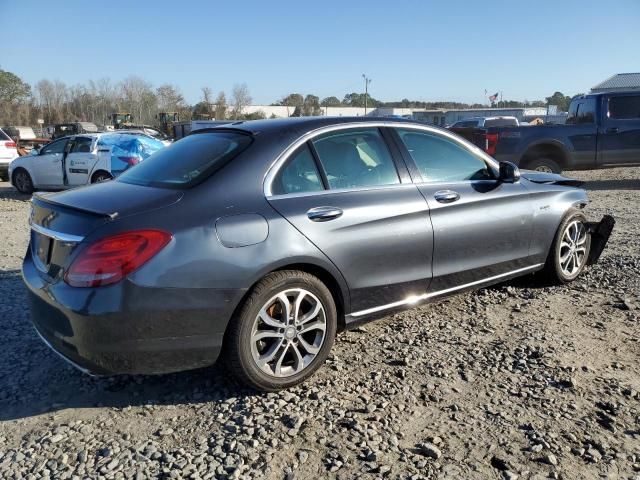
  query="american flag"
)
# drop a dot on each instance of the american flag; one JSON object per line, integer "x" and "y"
{"x": 493, "y": 97}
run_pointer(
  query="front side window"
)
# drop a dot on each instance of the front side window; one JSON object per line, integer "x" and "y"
{"x": 624, "y": 107}
{"x": 188, "y": 161}
{"x": 299, "y": 175}
{"x": 54, "y": 147}
{"x": 440, "y": 159}
{"x": 356, "y": 158}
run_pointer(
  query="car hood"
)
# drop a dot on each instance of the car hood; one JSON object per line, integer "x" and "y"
{"x": 549, "y": 178}
{"x": 114, "y": 199}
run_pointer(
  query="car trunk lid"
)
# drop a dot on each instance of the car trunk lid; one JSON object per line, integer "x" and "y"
{"x": 60, "y": 221}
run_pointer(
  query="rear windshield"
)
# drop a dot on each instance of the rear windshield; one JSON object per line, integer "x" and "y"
{"x": 188, "y": 161}
{"x": 466, "y": 124}
{"x": 501, "y": 122}
{"x": 4, "y": 136}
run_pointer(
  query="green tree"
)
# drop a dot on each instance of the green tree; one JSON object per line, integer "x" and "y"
{"x": 559, "y": 99}
{"x": 311, "y": 106}
{"x": 14, "y": 98}
{"x": 330, "y": 102}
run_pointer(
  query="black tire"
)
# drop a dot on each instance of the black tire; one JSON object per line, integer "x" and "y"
{"x": 100, "y": 176}
{"x": 238, "y": 339}
{"x": 553, "y": 269}
{"x": 22, "y": 181}
{"x": 543, "y": 165}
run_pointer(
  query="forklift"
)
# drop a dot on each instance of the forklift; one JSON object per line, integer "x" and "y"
{"x": 120, "y": 119}
{"x": 166, "y": 120}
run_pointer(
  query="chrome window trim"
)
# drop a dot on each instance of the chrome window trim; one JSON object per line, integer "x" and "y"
{"x": 275, "y": 166}
{"x": 425, "y": 296}
{"x": 389, "y": 186}
{"x": 59, "y": 236}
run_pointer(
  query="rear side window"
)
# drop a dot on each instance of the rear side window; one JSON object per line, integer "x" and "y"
{"x": 624, "y": 107}
{"x": 356, "y": 158}
{"x": 442, "y": 160}
{"x": 582, "y": 111}
{"x": 188, "y": 161}
{"x": 299, "y": 175}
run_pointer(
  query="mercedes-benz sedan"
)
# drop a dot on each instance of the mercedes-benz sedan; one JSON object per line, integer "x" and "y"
{"x": 260, "y": 240}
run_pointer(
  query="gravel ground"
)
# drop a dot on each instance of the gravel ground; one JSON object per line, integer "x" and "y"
{"x": 516, "y": 381}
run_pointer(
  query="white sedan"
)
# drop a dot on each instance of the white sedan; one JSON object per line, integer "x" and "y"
{"x": 8, "y": 152}
{"x": 80, "y": 159}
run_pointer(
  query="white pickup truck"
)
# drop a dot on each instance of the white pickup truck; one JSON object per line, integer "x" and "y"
{"x": 80, "y": 159}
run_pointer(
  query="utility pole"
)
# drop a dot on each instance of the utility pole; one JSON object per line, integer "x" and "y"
{"x": 367, "y": 81}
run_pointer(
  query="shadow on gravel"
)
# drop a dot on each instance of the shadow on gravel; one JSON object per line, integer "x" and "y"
{"x": 626, "y": 184}
{"x": 7, "y": 191}
{"x": 35, "y": 381}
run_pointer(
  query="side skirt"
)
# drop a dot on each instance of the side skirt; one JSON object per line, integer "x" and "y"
{"x": 356, "y": 318}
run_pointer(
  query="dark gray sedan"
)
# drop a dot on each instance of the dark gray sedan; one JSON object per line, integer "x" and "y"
{"x": 260, "y": 240}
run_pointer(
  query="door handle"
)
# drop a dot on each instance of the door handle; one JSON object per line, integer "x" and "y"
{"x": 323, "y": 214}
{"x": 446, "y": 196}
{"x": 613, "y": 130}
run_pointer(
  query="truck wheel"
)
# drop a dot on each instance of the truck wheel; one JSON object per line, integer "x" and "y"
{"x": 570, "y": 249}
{"x": 22, "y": 181}
{"x": 543, "y": 165}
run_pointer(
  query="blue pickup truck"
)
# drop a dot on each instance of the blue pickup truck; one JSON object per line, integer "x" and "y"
{"x": 601, "y": 131}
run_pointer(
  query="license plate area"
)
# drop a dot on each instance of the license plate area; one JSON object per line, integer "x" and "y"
{"x": 42, "y": 247}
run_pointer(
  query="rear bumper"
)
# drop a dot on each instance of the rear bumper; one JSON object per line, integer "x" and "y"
{"x": 129, "y": 329}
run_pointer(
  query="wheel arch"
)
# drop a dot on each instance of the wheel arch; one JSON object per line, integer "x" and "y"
{"x": 98, "y": 171}
{"x": 553, "y": 150}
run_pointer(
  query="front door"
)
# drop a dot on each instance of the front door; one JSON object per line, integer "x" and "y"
{"x": 343, "y": 192}
{"x": 47, "y": 165}
{"x": 482, "y": 227}
{"x": 620, "y": 132}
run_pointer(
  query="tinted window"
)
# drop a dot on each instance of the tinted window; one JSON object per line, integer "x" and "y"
{"x": 442, "y": 160}
{"x": 582, "y": 111}
{"x": 300, "y": 174}
{"x": 54, "y": 147}
{"x": 81, "y": 145}
{"x": 356, "y": 158}
{"x": 188, "y": 161}
{"x": 4, "y": 136}
{"x": 466, "y": 124}
{"x": 501, "y": 122}
{"x": 627, "y": 106}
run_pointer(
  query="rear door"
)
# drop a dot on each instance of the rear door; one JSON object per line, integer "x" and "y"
{"x": 80, "y": 160}
{"x": 347, "y": 194}
{"x": 619, "y": 138}
{"x": 482, "y": 227}
{"x": 47, "y": 165}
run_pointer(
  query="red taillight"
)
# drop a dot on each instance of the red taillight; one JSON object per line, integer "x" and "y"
{"x": 131, "y": 161}
{"x": 113, "y": 258}
{"x": 491, "y": 142}
{"x": 10, "y": 144}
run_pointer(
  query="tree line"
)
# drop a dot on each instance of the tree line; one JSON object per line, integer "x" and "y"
{"x": 53, "y": 101}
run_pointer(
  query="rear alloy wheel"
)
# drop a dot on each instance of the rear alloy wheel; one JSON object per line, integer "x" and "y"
{"x": 22, "y": 181}
{"x": 100, "y": 177}
{"x": 283, "y": 332}
{"x": 570, "y": 249}
{"x": 545, "y": 165}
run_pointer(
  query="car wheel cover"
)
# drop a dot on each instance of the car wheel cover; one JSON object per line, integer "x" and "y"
{"x": 22, "y": 181}
{"x": 544, "y": 168}
{"x": 288, "y": 333}
{"x": 573, "y": 248}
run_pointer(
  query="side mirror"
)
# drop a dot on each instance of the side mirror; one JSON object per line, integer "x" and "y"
{"x": 509, "y": 172}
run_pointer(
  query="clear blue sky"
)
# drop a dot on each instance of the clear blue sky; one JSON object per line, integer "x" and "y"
{"x": 425, "y": 50}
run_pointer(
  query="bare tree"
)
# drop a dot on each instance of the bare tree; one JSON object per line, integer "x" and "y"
{"x": 221, "y": 106}
{"x": 207, "y": 95}
{"x": 241, "y": 99}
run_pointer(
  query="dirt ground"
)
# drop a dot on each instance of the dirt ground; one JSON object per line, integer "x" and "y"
{"x": 515, "y": 381}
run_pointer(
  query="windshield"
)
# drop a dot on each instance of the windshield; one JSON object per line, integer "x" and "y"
{"x": 188, "y": 161}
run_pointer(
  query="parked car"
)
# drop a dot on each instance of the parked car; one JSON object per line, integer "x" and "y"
{"x": 73, "y": 128}
{"x": 480, "y": 122}
{"x": 22, "y": 133}
{"x": 147, "y": 130}
{"x": 8, "y": 152}
{"x": 80, "y": 159}
{"x": 262, "y": 239}
{"x": 601, "y": 131}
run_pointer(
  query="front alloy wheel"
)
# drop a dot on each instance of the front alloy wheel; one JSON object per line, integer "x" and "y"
{"x": 570, "y": 249}
{"x": 283, "y": 332}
